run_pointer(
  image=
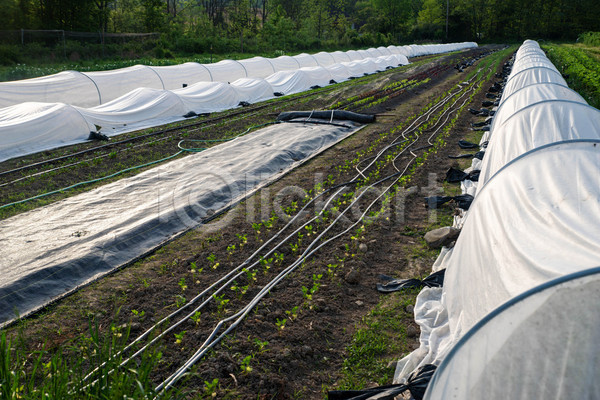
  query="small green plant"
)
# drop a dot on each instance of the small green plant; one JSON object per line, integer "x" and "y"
{"x": 182, "y": 284}
{"x": 309, "y": 230}
{"x": 281, "y": 323}
{"x": 196, "y": 317}
{"x": 211, "y": 388}
{"x": 137, "y": 313}
{"x": 230, "y": 249}
{"x": 221, "y": 302}
{"x": 245, "y": 365}
{"x": 306, "y": 293}
{"x": 212, "y": 261}
{"x": 179, "y": 337}
{"x": 293, "y": 313}
{"x": 331, "y": 270}
{"x": 250, "y": 275}
{"x": 266, "y": 263}
{"x": 278, "y": 257}
{"x": 242, "y": 238}
{"x": 195, "y": 270}
{"x": 294, "y": 247}
{"x": 179, "y": 300}
{"x": 261, "y": 344}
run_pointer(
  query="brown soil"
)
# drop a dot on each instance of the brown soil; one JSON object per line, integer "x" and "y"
{"x": 307, "y": 355}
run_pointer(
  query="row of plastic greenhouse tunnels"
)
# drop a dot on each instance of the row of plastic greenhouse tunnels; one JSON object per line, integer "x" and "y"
{"x": 61, "y": 109}
{"x": 517, "y": 316}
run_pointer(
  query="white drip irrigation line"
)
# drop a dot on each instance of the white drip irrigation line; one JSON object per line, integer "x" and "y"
{"x": 239, "y": 316}
{"x": 395, "y": 142}
{"x": 447, "y": 112}
{"x": 428, "y": 113}
{"x": 211, "y": 341}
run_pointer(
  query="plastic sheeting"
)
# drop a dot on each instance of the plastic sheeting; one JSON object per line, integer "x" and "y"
{"x": 88, "y": 89}
{"x": 532, "y": 76}
{"x": 252, "y": 90}
{"x": 69, "y": 87}
{"x": 290, "y": 82}
{"x": 508, "y": 356}
{"x": 50, "y": 251}
{"x": 138, "y": 109}
{"x": 534, "y": 126}
{"x": 258, "y": 67}
{"x": 535, "y": 218}
{"x": 148, "y": 96}
{"x": 182, "y": 75}
{"x": 40, "y": 126}
{"x": 205, "y": 97}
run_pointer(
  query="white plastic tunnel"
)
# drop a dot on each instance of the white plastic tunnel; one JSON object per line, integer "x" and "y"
{"x": 507, "y": 356}
{"x": 517, "y": 316}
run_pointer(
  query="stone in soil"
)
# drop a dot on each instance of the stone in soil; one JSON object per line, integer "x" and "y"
{"x": 352, "y": 277}
{"x": 441, "y": 236}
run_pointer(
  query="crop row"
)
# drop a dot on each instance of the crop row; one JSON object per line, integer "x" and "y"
{"x": 581, "y": 71}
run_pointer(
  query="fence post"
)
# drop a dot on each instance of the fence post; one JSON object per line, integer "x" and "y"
{"x": 22, "y": 37}
{"x": 64, "y": 44}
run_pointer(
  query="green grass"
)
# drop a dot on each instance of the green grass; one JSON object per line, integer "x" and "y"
{"x": 380, "y": 338}
{"x": 590, "y": 38}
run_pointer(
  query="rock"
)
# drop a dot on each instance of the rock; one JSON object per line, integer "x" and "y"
{"x": 410, "y": 309}
{"x": 412, "y": 331}
{"x": 352, "y": 277}
{"x": 441, "y": 236}
{"x": 359, "y": 303}
{"x": 363, "y": 247}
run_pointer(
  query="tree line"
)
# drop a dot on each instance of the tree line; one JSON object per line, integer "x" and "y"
{"x": 202, "y": 25}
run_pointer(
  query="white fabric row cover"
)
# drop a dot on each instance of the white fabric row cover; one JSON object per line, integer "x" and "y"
{"x": 52, "y": 250}
{"x": 507, "y": 356}
{"x": 88, "y": 89}
{"x": 31, "y": 127}
{"x": 535, "y": 218}
{"x": 536, "y": 113}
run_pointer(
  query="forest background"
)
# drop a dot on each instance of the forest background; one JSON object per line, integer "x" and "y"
{"x": 102, "y": 29}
